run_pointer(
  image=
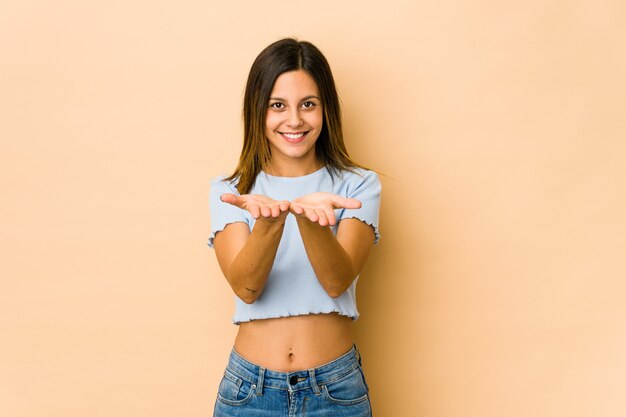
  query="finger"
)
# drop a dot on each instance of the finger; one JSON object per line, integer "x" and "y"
{"x": 275, "y": 210}
{"x": 297, "y": 208}
{"x": 330, "y": 215}
{"x": 266, "y": 211}
{"x": 310, "y": 214}
{"x": 283, "y": 205}
{"x": 254, "y": 210}
{"x": 231, "y": 199}
{"x": 321, "y": 217}
{"x": 348, "y": 203}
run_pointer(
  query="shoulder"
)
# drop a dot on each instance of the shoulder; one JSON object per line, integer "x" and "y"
{"x": 222, "y": 184}
{"x": 360, "y": 177}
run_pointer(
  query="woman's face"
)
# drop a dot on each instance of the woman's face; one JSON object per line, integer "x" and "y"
{"x": 294, "y": 119}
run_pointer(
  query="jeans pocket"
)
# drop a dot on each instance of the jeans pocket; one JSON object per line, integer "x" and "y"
{"x": 348, "y": 390}
{"x": 234, "y": 390}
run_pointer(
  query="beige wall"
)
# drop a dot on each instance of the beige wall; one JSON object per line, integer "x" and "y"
{"x": 497, "y": 290}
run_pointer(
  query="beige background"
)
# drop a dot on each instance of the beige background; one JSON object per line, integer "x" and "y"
{"x": 497, "y": 290}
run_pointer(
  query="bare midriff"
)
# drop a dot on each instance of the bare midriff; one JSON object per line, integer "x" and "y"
{"x": 294, "y": 343}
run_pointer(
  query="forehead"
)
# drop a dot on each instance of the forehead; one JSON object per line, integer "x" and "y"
{"x": 294, "y": 84}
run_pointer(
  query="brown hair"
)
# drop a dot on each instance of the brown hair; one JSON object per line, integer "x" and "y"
{"x": 279, "y": 57}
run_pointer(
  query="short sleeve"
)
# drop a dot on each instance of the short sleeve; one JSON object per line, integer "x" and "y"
{"x": 222, "y": 214}
{"x": 366, "y": 188}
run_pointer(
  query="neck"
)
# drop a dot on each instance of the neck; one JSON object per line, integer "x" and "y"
{"x": 292, "y": 168}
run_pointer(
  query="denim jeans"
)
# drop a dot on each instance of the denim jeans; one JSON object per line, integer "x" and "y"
{"x": 336, "y": 389}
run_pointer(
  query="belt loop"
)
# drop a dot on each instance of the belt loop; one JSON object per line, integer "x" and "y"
{"x": 314, "y": 386}
{"x": 259, "y": 384}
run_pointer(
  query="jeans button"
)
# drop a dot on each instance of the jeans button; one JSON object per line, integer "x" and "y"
{"x": 293, "y": 380}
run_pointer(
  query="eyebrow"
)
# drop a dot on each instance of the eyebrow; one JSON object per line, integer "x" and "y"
{"x": 304, "y": 99}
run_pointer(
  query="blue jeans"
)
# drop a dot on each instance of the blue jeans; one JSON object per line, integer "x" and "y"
{"x": 336, "y": 389}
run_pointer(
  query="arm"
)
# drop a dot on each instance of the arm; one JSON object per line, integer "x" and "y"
{"x": 246, "y": 257}
{"x": 336, "y": 260}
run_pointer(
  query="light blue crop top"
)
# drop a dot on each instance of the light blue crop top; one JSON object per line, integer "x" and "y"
{"x": 292, "y": 287}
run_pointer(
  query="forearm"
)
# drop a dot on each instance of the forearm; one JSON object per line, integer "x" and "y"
{"x": 333, "y": 266}
{"x": 249, "y": 270}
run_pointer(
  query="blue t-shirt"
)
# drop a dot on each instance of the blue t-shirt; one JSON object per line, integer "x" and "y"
{"x": 292, "y": 287}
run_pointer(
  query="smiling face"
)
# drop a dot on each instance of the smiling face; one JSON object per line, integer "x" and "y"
{"x": 293, "y": 123}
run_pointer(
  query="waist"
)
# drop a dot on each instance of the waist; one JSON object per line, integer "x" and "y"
{"x": 292, "y": 343}
{"x": 294, "y": 380}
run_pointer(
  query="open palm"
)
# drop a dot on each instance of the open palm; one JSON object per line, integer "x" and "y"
{"x": 258, "y": 205}
{"x": 319, "y": 207}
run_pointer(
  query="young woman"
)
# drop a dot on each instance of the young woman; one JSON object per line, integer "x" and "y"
{"x": 292, "y": 228}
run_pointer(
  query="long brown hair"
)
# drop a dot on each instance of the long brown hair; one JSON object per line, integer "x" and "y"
{"x": 282, "y": 56}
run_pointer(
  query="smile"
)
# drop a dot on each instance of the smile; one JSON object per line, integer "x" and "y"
{"x": 293, "y": 137}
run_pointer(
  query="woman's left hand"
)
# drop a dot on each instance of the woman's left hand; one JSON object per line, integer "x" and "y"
{"x": 319, "y": 207}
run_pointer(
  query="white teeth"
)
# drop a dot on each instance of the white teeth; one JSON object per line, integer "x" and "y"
{"x": 293, "y": 135}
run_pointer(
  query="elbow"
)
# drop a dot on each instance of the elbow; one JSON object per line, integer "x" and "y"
{"x": 339, "y": 286}
{"x": 246, "y": 290}
{"x": 248, "y": 300}
{"x": 335, "y": 293}
{"x": 248, "y": 295}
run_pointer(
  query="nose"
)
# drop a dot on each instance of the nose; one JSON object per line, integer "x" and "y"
{"x": 295, "y": 119}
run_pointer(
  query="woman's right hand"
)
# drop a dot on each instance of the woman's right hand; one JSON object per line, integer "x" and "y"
{"x": 246, "y": 255}
{"x": 259, "y": 206}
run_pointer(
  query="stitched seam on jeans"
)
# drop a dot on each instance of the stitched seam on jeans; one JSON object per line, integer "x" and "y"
{"x": 341, "y": 376}
{"x": 239, "y": 376}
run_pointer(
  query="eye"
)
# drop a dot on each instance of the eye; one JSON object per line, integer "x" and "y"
{"x": 308, "y": 104}
{"x": 277, "y": 105}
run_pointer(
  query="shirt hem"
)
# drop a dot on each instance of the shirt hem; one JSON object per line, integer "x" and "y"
{"x": 354, "y": 316}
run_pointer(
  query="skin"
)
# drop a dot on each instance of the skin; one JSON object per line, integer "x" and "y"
{"x": 294, "y": 107}
{"x": 246, "y": 257}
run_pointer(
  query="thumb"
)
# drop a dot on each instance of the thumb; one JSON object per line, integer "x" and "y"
{"x": 348, "y": 203}
{"x": 231, "y": 199}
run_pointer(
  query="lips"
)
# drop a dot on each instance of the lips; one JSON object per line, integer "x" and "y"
{"x": 293, "y": 137}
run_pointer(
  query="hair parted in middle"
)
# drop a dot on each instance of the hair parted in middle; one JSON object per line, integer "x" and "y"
{"x": 282, "y": 56}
